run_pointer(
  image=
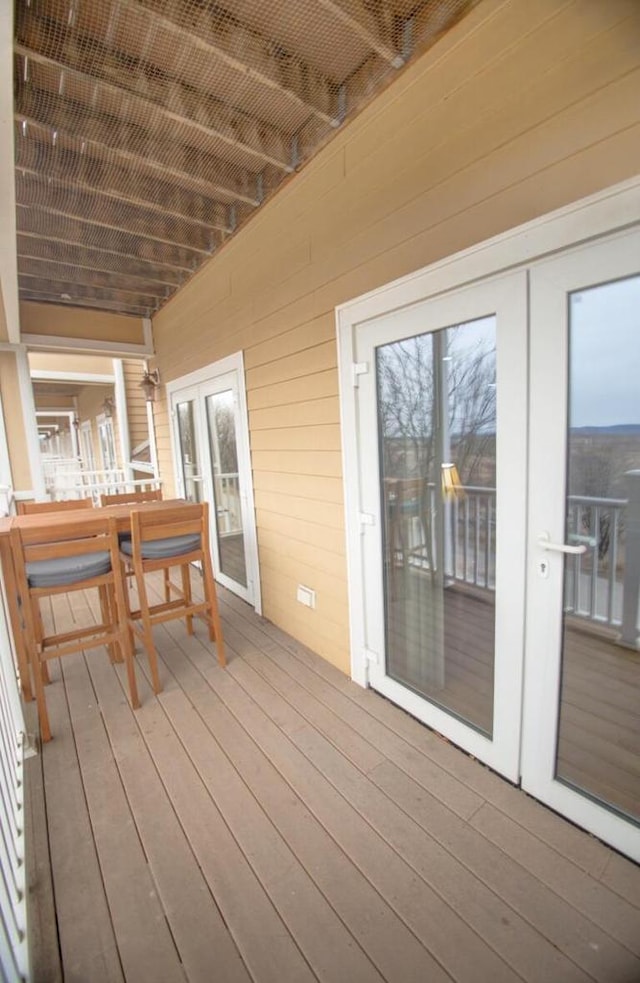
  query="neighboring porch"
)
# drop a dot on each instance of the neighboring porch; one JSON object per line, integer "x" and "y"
{"x": 275, "y": 822}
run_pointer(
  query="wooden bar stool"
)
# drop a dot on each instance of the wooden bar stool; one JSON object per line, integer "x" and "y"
{"x": 166, "y": 538}
{"x": 61, "y": 560}
{"x": 67, "y": 504}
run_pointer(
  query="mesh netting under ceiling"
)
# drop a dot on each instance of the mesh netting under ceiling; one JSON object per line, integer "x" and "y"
{"x": 148, "y": 131}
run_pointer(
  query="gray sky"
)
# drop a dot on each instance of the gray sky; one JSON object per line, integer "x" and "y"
{"x": 605, "y": 355}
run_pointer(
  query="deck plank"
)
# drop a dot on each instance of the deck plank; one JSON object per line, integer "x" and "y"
{"x": 196, "y": 923}
{"x": 145, "y": 943}
{"x": 296, "y": 827}
{"x": 391, "y": 947}
{"x": 87, "y": 938}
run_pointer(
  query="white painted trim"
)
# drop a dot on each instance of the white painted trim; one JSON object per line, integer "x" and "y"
{"x": 601, "y": 214}
{"x": 122, "y": 414}
{"x": 44, "y": 375}
{"x": 113, "y": 348}
{"x": 5, "y": 462}
{"x": 30, "y": 425}
{"x": 153, "y": 445}
{"x": 147, "y": 333}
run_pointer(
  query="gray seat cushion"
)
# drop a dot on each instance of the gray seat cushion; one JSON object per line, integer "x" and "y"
{"x": 68, "y": 569}
{"x": 159, "y": 549}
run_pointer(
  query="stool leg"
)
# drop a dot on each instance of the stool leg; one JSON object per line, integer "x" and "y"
{"x": 215, "y": 625}
{"x": 147, "y": 630}
{"x": 186, "y": 594}
{"x": 121, "y": 619}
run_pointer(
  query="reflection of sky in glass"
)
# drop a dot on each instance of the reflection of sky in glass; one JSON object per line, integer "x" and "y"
{"x": 605, "y": 355}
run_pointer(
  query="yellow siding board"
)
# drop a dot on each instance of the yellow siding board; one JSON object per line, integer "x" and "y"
{"x": 323, "y": 463}
{"x": 520, "y": 109}
{"x": 303, "y": 553}
{"x": 323, "y": 513}
{"x": 327, "y": 587}
{"x": 72, "y": 322}
{"x": 519, "y": 74}
{"x": 321, "y": 438}
{"x": 308, "y": 414}
{"x": 304, "y": 363}
{"x": 293, "y": 391}
{"x": 300, "y": 485}
{"x": 330, "y": 540}
{"x": 318, "y": 633}
{"x": 307, "y": 335}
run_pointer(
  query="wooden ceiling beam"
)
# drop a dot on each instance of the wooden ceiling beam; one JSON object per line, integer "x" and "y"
{"x": 88, "y": 303}
{"x": 32, "y": 246}
{"x": 102, "y": 269}
{"x": 68, "y": 213}
{"x": 50, "y": 236}
{"x": 37, "y": 282}
{"x": 218, "y": 35}
{"x": 36, "y": 156}
{"x": 39, "y": 191}
{"x": 358, "y": 19}
{"x": 249, "y": 137}
{"x": 187, "y": 165}
{"x": 56, "y": 273}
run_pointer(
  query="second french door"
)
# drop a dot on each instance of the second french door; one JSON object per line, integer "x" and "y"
{"x": 211, "y": 452}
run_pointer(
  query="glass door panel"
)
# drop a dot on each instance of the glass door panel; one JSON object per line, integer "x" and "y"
{"x": 221, "y": 420}
{"x": 442, "y": 440}
{"x": 598, "y": 749}
{"x": 188, "y": 449}
{"x": 437, "y": 420}
{"x": 581, "y": 739}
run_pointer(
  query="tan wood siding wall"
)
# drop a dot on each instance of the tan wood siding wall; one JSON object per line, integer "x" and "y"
{"x": 72, "y": 322}
{"x": 521, "y": 109}
{"x": 136, "y": 405}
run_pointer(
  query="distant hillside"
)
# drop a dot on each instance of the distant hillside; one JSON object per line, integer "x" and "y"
{"x": 619, "y": 430}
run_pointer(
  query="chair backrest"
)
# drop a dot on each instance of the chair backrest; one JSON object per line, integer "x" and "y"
{"x": 62, "y": 540}
{"x": 182, "y": 520}
{"x": 31, "y": 508}
{"x": 128, "y": 498}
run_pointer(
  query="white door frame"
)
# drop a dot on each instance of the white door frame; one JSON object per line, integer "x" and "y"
{"x": 199, "y": 379}
{"x": 506, "y": 297}
{"x": 587, "y": 221}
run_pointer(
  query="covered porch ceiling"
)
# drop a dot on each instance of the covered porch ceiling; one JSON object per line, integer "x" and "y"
{"x": 147, "y": 132}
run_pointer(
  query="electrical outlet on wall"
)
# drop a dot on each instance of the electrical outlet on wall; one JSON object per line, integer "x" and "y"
{"x": 306, "y": 596}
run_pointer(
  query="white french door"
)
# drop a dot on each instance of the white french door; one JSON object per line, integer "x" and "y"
{"x": 495, "y": 540}
{"x": 442, "y": 475}
{"x": 211, "y": 454}
{"x": 581, "y": 747}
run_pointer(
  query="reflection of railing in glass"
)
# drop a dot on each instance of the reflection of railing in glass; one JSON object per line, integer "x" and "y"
{"x": 594, "y": 582}
{"x": 227, "y": 494}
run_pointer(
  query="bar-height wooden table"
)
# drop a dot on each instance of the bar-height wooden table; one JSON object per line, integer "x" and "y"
{"x": 45, "y": 520}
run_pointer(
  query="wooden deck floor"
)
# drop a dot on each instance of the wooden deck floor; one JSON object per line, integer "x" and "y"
{"x": 274, "y": 822}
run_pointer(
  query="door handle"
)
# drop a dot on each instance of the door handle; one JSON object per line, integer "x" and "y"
{"x": 545, "y": 543}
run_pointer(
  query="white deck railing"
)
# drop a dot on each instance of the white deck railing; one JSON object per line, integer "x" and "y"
{"x": 595, "y": 582}
{"x": 14, "y": 955}
{"x": 92, "y": 484}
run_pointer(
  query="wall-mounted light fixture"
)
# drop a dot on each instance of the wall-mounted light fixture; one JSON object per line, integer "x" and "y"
{"x": 149, "y": 384}
{"x": 109, "y": 406}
